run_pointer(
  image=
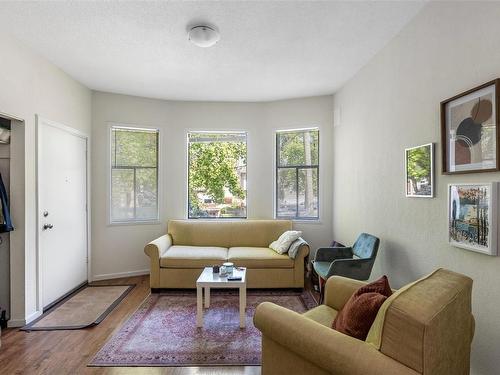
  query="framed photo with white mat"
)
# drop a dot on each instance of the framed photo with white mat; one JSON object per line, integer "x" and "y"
{"x": 419, "y": 171}
{"x": 473, "y": 216}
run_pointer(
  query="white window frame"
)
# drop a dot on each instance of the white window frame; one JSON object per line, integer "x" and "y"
{"x": 186, "y": 177}
{"x": 312, "y": 220}
{"x": 159, "y": 198}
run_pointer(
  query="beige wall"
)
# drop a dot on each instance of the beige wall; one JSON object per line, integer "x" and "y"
{"x": 391, "y": 104}
{"x": 118, "y": 250}
{"x": 31, "y": 85}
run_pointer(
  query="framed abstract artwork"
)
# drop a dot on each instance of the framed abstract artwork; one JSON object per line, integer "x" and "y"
{"x": 472, "y": 216}
{"x": 419, "y": 171}
{"x": 469, "y": 133}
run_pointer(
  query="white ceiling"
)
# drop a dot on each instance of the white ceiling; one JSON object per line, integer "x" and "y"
{"x": 268, "y": 50}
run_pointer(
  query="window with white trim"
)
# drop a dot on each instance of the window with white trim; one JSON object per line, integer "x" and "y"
{"x": 134, "y": 174}
{"x": 297, "y": 174}
{"x": 217, "y": 175}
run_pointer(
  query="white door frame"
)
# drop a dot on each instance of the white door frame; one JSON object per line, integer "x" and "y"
{"x": 72, "y": 131}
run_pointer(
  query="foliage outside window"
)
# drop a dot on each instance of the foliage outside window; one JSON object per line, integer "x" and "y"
{"x": 217, "y": 175}
{"x": 297, "y": 174}
{"x": 134, "y": 174}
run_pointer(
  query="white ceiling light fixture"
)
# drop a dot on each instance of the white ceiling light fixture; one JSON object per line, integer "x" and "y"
{"x": 203, "y": 36}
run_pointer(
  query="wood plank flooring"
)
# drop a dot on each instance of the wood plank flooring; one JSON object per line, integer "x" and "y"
{"x": 68, "y": 352}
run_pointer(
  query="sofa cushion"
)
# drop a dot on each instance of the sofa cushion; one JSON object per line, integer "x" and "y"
{"x": 193, "y": 256}
{"x": 322, "y": 314}
{"x": 226, "y": 234}
{"x": 258, "y": 257}
{"x": 282, "y": 244}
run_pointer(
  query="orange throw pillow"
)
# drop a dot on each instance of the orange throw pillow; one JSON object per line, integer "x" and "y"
{"x": 358, "y": 314}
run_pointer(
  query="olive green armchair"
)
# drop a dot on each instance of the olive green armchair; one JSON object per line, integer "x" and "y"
{"x": 424, "y": 328}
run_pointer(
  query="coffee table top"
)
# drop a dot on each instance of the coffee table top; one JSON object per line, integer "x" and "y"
{"x": 208, "y": 278}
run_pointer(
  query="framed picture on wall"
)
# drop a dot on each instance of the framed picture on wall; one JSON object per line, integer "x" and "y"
{"x": 472, "y": 216}
{"x": 419, "y": 171}
{"x": 469, "y": 134}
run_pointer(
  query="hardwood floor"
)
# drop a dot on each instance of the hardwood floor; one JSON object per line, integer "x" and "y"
{"x": 68, "y": 352}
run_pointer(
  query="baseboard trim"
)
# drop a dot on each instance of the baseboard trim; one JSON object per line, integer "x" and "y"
{"x": 33, "y": 316}
{"x": 108, "y": 276}
{"x": 14, "y": 323}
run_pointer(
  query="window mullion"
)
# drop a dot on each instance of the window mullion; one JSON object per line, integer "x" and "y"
{"x": 297, "y": 191}
{"x": 135, "y": 193}
{"x": 115, "y": 148}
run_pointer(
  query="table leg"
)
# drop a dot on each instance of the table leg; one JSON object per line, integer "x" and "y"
{"x": 199, "y": 306}
{"x": 243, "y": 302}
{"x": 207, "y": 297}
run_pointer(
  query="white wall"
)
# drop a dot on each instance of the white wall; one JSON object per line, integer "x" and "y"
{"x": 391, "y": 104}
{"x": 118, "y": 250}
{"x": 31, "y": 85}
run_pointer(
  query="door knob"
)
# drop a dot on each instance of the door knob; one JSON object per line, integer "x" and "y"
{"x": 47, "y": 226}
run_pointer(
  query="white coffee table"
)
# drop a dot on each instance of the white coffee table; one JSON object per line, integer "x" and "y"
{"x": 208, "y": 280}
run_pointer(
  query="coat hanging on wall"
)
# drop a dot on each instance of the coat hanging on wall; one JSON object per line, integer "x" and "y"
{"x": 5, "y": 220}
{"x": 4, "y": 131}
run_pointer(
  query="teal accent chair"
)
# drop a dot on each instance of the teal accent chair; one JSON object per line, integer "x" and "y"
{"x": 354, "y": 262}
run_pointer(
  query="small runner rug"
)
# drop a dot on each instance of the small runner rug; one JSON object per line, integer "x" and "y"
{"x": 162, "y": 332}
{"x": 88, "y": 307}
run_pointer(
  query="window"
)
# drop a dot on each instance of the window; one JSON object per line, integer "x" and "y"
{"x": 134, "y": 174}
{"x": 297, "y": 174}
{"x": 217, "y": 175}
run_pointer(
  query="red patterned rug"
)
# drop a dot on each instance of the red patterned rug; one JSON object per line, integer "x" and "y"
{"x": 162, "y": 332}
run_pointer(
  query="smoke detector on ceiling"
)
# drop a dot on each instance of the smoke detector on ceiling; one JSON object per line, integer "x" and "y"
{"x": 203, "y": 36}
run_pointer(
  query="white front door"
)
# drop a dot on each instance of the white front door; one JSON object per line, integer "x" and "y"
{"x": 62, "y": 205}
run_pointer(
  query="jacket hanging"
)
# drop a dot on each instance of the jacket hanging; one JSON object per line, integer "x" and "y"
{"x": 5, "y": 219}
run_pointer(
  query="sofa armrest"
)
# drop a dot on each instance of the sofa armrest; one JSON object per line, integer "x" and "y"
{"x": 339, "y": 289}
{"x": 302, "y": 253}
{"x": 322, "y": 346}
{"x": 299, "y": 265}
{"x": 155, "y": 249}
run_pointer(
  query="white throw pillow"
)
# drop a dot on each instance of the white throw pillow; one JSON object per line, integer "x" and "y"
{"x": 282, "y": 244}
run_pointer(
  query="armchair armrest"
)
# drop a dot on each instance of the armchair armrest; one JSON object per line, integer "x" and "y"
{"x": 322, "y": 346}
{"x": 358, "y": 269}
{"x": 329, "y": 254}
{"x": 155, "y": 249}
{"x": 339, "y": 289}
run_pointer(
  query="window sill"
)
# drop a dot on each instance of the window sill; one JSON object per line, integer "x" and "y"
{"x": 138, "y": 222}
{"x": 218, "y": 218}
{"x": 313, "y": 222}
{"x": 301, "y": 221}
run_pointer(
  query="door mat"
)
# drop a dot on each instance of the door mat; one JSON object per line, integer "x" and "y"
{"x": 87, "y": 307}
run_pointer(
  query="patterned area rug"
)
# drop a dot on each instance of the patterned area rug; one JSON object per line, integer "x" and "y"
{"x": 162, "y": 332}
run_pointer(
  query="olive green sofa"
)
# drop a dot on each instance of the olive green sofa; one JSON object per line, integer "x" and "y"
{"x": 178, "y": 257}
